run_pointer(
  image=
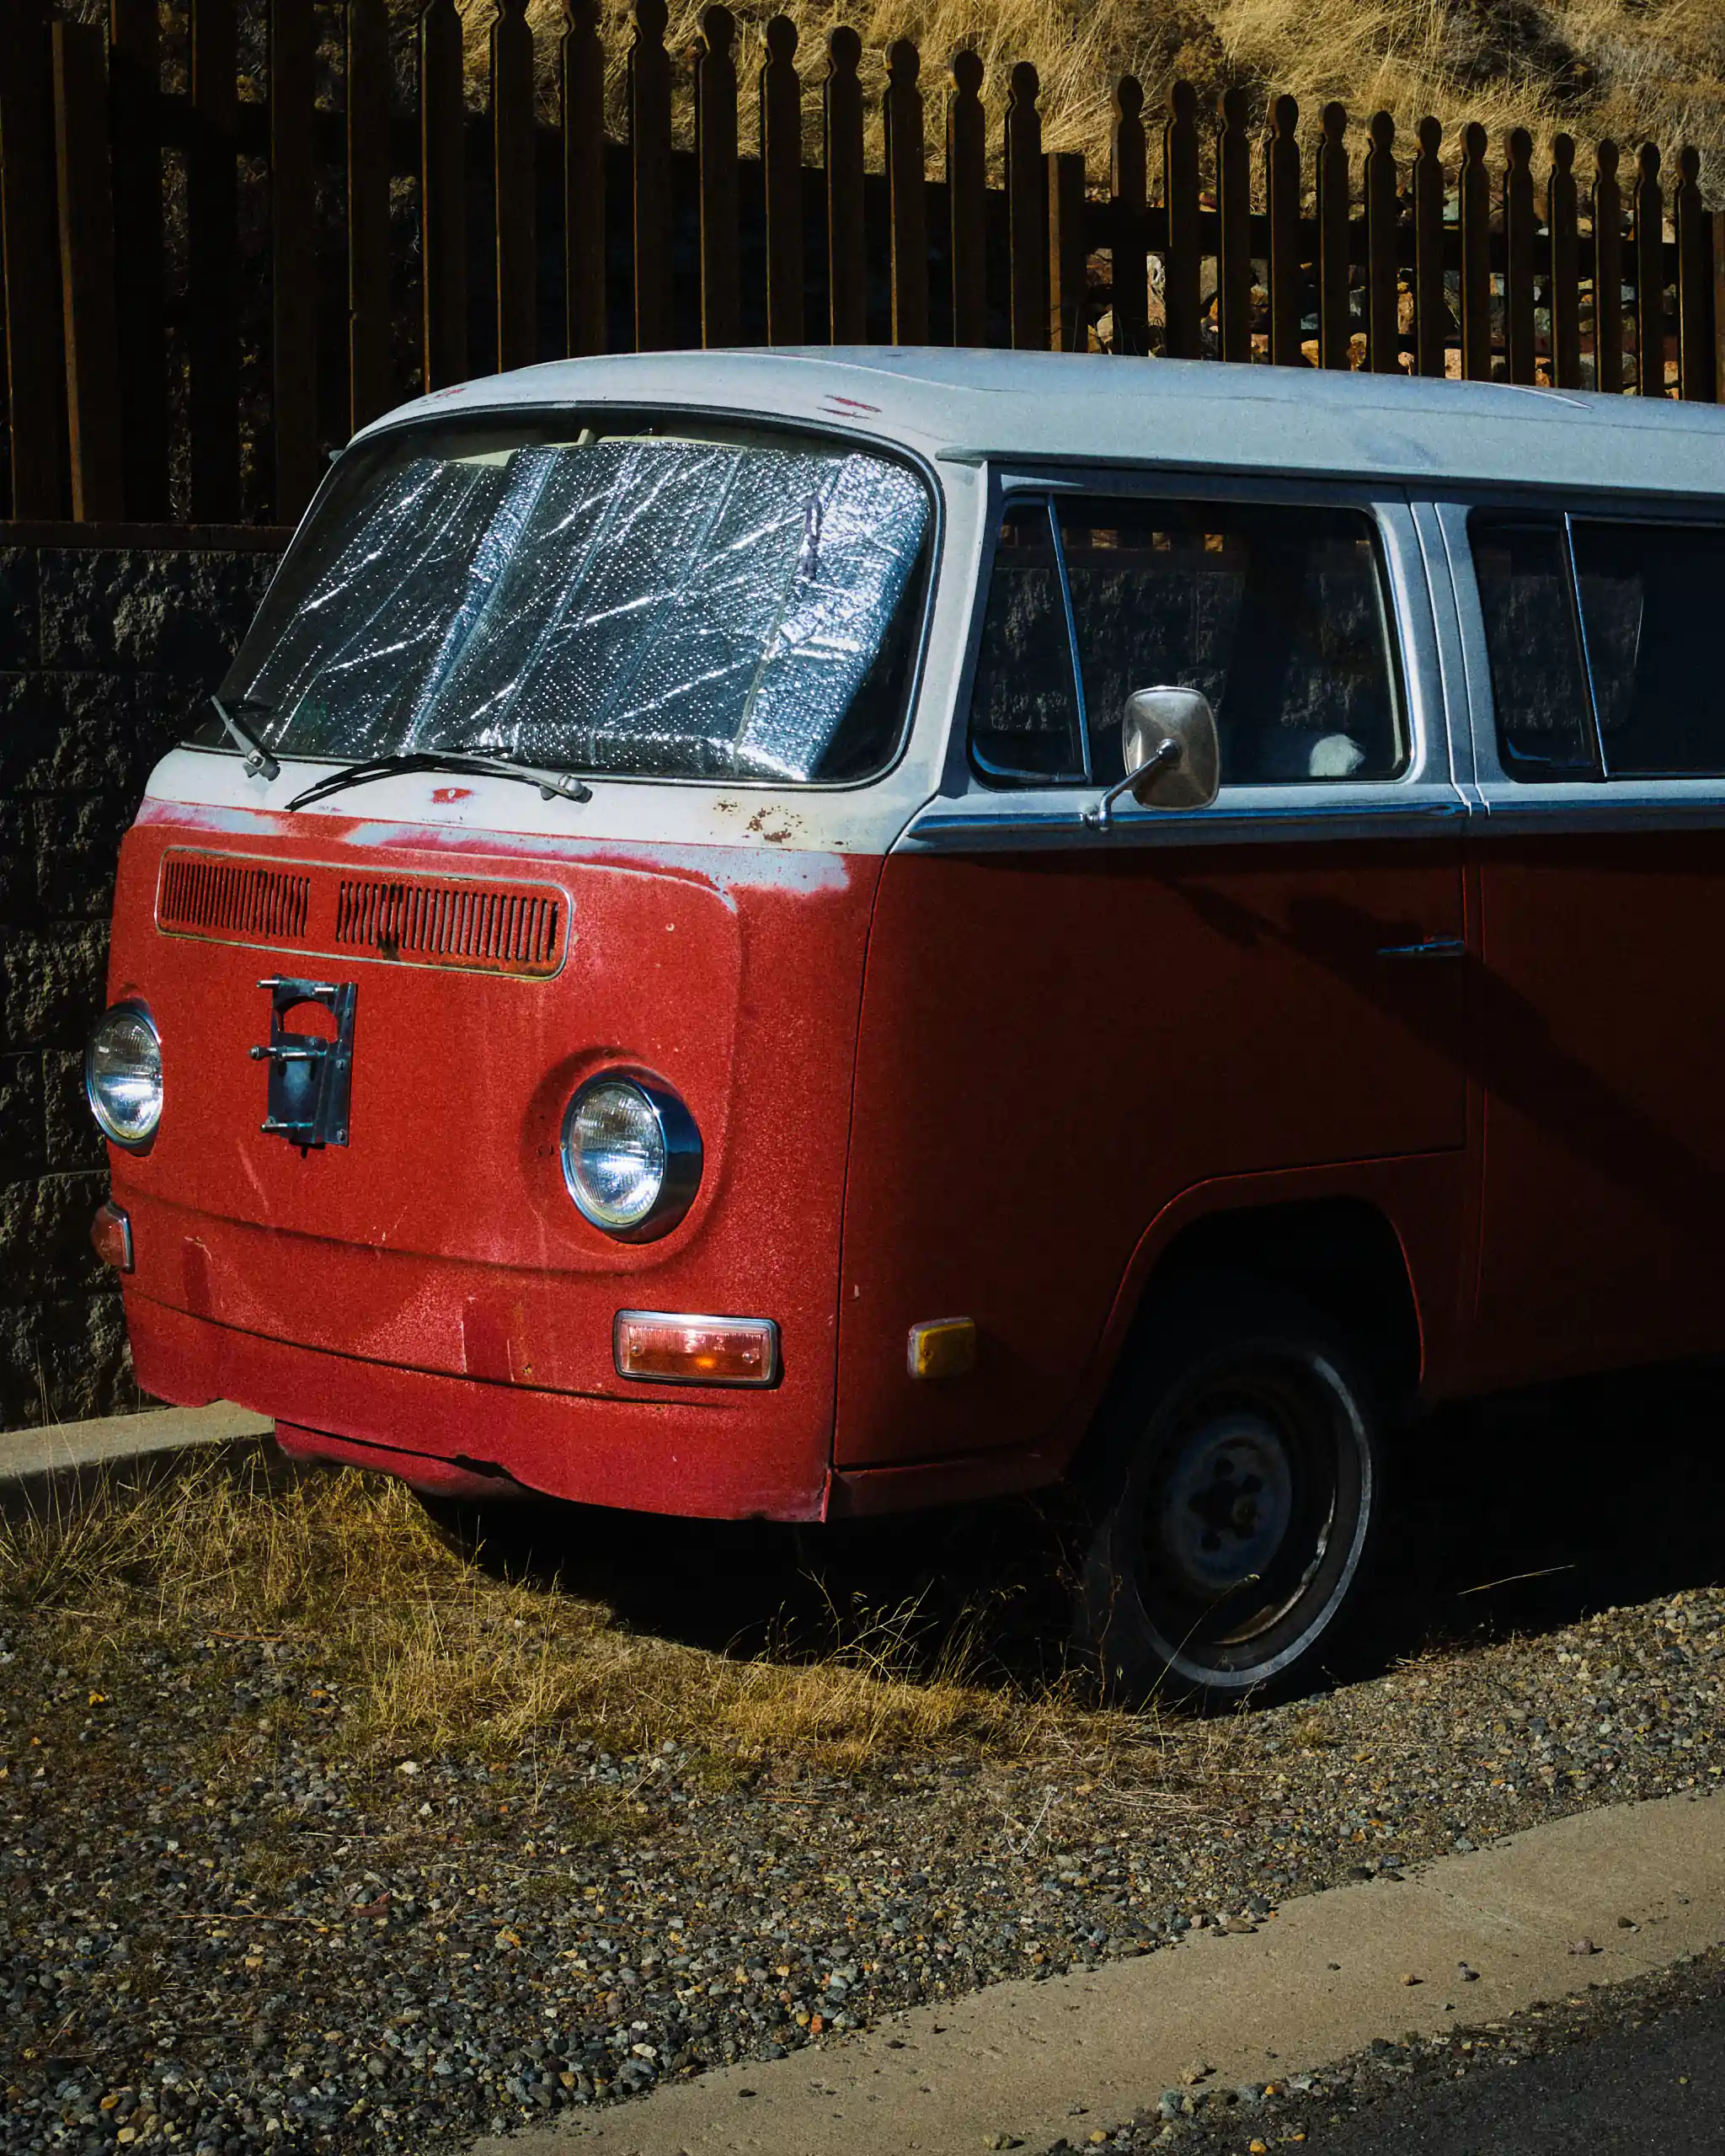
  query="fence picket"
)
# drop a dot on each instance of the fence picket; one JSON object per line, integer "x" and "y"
{"x": 1068, "y": 256}
{"x": 134, "y": 84}
{"x": 1716, "y": 225}
{"x": 1128, "y": 193}
{"x": 1234, "y": 220}
{"x": 967, "y": 192}
{"x": 1648, "y": 206}
{"x": 1383, "y": 332}
{"x": 1182, "y": 264}
{"x": 293, "y": 294}
{"x": 1027, "y": 211}
{"x": 1518, "y": 256}
{"x": 1281, "y": 187}
{"x": 367, "y": 97}
{"x": 649, "y": 157}
{"x": 87, "y": 271}
{"x": 716, "y": 163}
{"x": 1333, "y": 271}
{"x": 1561, "y": 215}
{"x": 1476, "y": 205}
{"x": 514, "y": 155}
{"x": 907, "y": 214}
{"x": 1694, "y": 284}
{"x": 1431, "y": 309}
{"x": 35, "y": 405}
{"x": 443, "y": 197}
{"x": 213, "y": 241}
{"x": 781, "y": 156}
{"x": 582, "y": 99}
{"x": 847, "y": 265}
{"x": 1608, "y": 271}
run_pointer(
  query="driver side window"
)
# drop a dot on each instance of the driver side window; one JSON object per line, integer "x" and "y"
{"x": 1277, "y": 614}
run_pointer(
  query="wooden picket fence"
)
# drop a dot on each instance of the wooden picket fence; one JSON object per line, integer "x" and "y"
{"x": 205, "y": 291}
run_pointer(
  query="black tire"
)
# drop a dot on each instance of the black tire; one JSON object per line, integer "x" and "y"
{"x": 1235, "y": 1498}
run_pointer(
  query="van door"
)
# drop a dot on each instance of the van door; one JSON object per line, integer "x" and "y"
{"x": 1598, "y": 739}
{"x": 1066, "y": 1032}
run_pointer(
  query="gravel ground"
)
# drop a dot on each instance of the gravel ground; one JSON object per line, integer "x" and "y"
{"x": 223, "y": 1926}
{"x": 1402, "y": 2092}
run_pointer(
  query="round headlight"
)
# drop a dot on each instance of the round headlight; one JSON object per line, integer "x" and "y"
{"x": 123, "y": 1074}
{"x": 631, "y": 1154}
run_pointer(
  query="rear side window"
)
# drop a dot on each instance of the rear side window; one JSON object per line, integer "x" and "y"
{"x": 1599, "y": 637}
{"x": 1278, "y": 615}
{"x": 1649, "y": 596}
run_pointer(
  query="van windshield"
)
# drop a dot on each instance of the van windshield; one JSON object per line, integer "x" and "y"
{"x": 649, "y": 603}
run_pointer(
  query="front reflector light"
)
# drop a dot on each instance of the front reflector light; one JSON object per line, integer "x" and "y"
{"x": 665, "y": 1349}
{"x": 110, "y": 1236}
{"x": 942, "y": 1347}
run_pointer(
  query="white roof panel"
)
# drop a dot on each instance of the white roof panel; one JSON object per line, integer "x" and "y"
{"x": 1025, "y": 407}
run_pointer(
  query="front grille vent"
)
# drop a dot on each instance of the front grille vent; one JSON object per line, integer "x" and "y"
{"x": 491, "y": 927}
{"x": 202, "y": 892}
{"x": 494, "y": 927}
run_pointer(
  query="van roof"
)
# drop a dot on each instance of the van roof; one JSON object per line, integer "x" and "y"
{"x": 969, "y": 406}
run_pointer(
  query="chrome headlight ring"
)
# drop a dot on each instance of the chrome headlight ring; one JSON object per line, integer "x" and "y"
{"x": 123, "y": 1074}
{"x": 631, "y": 1154}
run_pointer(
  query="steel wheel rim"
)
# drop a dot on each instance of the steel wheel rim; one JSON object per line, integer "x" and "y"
{"x": 1303, "y": 1545}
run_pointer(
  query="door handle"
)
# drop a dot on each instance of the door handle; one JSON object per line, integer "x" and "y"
{"x": 1435, "y": 946}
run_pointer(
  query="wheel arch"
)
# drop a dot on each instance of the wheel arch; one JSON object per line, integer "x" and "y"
{"x": 1341, "y": 1253}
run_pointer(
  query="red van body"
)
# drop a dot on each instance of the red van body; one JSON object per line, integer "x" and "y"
{"x": 1433, "y": 1054}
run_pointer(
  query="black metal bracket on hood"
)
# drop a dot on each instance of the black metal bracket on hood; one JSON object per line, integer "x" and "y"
{"x": 311, "y": 1078}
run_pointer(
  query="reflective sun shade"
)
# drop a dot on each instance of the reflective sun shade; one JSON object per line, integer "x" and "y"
{"x": 644, "y": 602}
{"x": 669, "y": 1348}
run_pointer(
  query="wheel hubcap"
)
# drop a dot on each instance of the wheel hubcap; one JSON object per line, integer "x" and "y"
{"x": 1226, "y": 1503}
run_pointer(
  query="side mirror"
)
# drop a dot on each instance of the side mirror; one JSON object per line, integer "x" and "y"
{"x": 1169, "y": 745}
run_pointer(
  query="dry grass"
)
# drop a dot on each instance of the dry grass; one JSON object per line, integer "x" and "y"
{"x": 1636, "y": 70}
{"x": 432, "y": 1652}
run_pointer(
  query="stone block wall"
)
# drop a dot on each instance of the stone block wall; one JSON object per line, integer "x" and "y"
{"x": 105, "y": 648}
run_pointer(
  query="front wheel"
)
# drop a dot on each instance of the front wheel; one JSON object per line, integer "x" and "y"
{"x": 1238, "y": 1490}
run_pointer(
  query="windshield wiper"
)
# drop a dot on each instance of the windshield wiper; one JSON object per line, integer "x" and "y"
{"x": 551, "y": 784}
{"x": 258, "y": 761}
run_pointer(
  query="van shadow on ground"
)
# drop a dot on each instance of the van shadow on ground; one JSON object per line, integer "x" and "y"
{"x": 1518, "y": 1515}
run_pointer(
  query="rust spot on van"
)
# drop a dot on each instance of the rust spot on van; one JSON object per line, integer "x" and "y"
{"x": 775, "y": 825}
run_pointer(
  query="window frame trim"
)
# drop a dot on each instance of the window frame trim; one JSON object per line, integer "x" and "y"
{"x": 1601, "y": 770}
{"x": 1010, "y": 779}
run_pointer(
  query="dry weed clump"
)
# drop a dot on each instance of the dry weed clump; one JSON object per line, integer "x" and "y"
{"x": 432, "y": 1652}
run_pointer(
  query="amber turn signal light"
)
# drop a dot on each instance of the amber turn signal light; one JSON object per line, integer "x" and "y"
{"x": 942, "y": 1347}
{"x": 664, "y": 1348}
{"x": 110, "y": 1236}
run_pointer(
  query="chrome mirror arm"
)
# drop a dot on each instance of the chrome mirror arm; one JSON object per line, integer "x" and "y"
{"x": 1100, "y": 816}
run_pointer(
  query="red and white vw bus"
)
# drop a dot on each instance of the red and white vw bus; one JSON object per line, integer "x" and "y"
{"x": 799, "y": 934}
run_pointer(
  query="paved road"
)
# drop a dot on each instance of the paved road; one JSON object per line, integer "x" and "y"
{"x": 1633, "y": 2070}
{"x": 1633, "y": 2090}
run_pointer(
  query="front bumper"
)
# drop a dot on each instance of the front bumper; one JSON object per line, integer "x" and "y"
{"x": 731, "y": 1455}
